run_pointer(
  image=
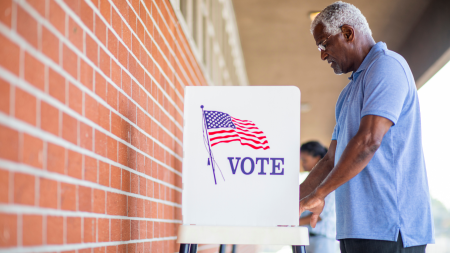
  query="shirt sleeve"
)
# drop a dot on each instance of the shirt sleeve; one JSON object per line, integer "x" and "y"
{"x": 385, "y": 89}
{"x": 335, "y": 133}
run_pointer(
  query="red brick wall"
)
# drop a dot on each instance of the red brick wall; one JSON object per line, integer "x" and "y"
{"x": 91, "y": 116}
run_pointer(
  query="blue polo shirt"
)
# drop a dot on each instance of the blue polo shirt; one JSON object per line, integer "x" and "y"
{"x": 391, "y": 193}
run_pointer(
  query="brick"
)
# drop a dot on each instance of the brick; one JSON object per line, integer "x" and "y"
{"x": 126, "y": 181}
{"x": 100, "y": 30}
{"x": 142, "y": 229}
{"x": 74, "y": 164}
{"x": 100, "y": 143}
{"x": 50, "y": 44}
{"x": 49, "y": 118}
{"x": 9, "y": 143}
{"x": 116, "y": 125}
{"x": 90, "y": 169}
{"x": 32, "y": 230}
{"x": 84, "y": 199}
{"x": 126, "y": 35}
{"x": 75, "y": 98}
{"x": 48, "y": 190}
{"x": 100, "y": 250}
{"x": 85, "y": 136}
{"x": 103, "y": 117}
{"x": 103, "y": 230}
{"x": 56, "y": 85}
{"x": 32, "y": 151}
{"x": 123, "y": 154}
{"x": 131, "y": 112}
{"x": 8, "y": 230}
{"x": 5, "y": 94}
{"x": 116, "y": 73}
{"x": 122, "y": 248}
{"x": 149, "y": 188}
{"x": 140, "y": 208}
{"x": 4, "y": 187}
{"x": 69, "y": 128}
{"x": 135, "y": 45}
{"x": 86, "y": 73}
{"x": 142, "y": 186}
{"x": 117, "y": 204}
{"x": 90, "y": 228}
{"x": 27, "y": 27}
{"x": 105, "y": 10}
{"x": 100, "y": 86}
{"x": 34, "y": 72}
{"x": 115, "y": 21}
{"x": 70, "y": 62}
{"x": 112, "y": 149}
{"x": 132, "y": 247}
{"x": 90, "y": 108}
{"x": 140, "y": 163}
{"x": 123, "y": 56}
{"x": 132, "y": 206}
{"x": 115, "y": 230}
{"x": 75, "y": 34}
{"x": 55, "y": 231}
{"x": 134, "y": 230}
{"x": 68, "y": 197}
{"x": 91, "y": 49}
{"x": 25, "y": 106}
{"x": 126, "y": 232}
{"x": 38, "y": 5}
{"x": 103, "y": 172}
{"x": 74, "y": 5}
{"x": 87, "y": 15}
{"x": 154, "y": 210}
{"x": 131, "y": 158}
{"x": 56, "y": 158}
{"x": 99, "y": 201}
{"x": 73, "y": 230}
{"x": 149, "y": 229}
{"x": 5, "y": 12}
{"x": 116, "y": 177}
{"x": 104, "y": 62}
{"x": 112, "y": 96}
{"x": 112, "y": 43}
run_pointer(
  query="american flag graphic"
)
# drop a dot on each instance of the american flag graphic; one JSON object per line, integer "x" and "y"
{"x": 222, "y": 128}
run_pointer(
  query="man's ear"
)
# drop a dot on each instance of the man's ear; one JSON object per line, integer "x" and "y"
{"x": 348, "y": 32}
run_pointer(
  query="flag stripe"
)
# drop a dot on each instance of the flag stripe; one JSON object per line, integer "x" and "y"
{"x": 222, "y": 128}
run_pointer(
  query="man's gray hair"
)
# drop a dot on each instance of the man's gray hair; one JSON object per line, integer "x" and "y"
{"x": 334, "y": 16}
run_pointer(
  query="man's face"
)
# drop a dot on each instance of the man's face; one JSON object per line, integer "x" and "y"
{"x": 335, "y": 52}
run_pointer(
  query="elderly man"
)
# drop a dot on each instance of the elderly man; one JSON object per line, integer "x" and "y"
{"x": 375, "y": 161}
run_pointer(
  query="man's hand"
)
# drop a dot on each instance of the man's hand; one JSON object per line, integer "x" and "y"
{"x": 314, "y": 204}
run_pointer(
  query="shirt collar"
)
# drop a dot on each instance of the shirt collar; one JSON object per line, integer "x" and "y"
{"x": 380, "y": 46}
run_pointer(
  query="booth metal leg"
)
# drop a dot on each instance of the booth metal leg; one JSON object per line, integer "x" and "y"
{"x": 222, "y": 248}
{"x": 298, "y": 249}
{"x": 193, "y": 248}
{"x": 184, "y": 248}
{"x": 233, "y": 250}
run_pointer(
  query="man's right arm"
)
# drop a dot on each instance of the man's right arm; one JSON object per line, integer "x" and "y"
{"x": 319, "y": 172}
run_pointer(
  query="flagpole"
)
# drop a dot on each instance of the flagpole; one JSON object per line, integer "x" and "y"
{"x": 209, "y": 146}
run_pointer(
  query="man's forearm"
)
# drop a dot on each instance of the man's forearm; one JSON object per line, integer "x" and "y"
{"x": 319, "y": 172}
{"x": 315, "y": 177}
{"x": 354, "y": 159}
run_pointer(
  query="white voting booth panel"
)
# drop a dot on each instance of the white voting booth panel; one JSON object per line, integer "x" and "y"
{"x": 241, "y": 165}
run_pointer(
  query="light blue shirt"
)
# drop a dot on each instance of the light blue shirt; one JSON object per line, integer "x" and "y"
{"x": 391, "y": 193}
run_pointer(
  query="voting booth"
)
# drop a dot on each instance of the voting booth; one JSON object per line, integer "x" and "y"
{"x": 241, "y": 163}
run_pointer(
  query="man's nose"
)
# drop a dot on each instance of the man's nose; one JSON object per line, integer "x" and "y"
{"x": 323, "y": 55}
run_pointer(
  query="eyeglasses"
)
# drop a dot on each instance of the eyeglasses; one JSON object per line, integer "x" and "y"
{"x": 321, "y": 45}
